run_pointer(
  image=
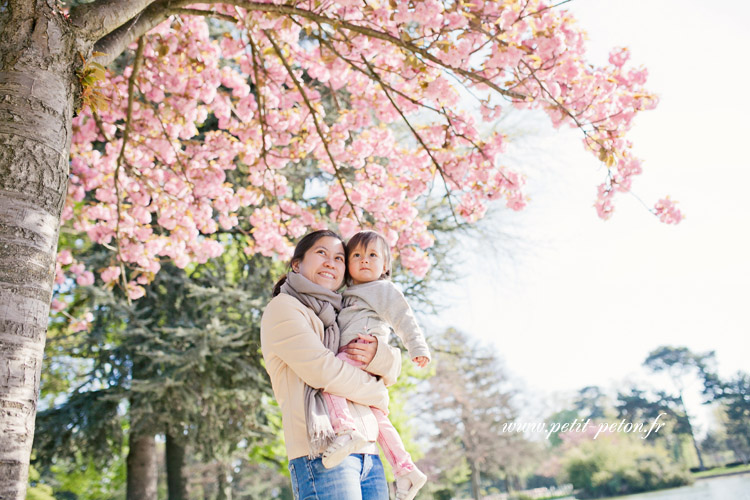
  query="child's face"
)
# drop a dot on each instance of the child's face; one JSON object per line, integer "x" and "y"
{"x": 366, "y": 264}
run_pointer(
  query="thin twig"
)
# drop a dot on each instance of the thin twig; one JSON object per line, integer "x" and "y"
{"x": 309, "y": 105}
{"x": 373, "y": 33}
{"x": 125, "y": 136}
{"x": 203, "y": 13}
{"x": 418, "y": 137}
{"x": 543, "y": 9}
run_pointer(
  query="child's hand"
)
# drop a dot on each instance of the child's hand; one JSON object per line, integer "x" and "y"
{"x": 421, "y": 361}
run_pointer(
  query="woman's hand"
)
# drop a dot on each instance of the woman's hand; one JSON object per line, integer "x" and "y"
{"x": 361, "y": 349}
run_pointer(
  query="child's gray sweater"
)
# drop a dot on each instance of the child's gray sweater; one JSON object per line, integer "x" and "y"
{"x": 377, "y": 307}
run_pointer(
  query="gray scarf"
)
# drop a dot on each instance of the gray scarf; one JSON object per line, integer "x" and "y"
{"x": 326, "y": 304}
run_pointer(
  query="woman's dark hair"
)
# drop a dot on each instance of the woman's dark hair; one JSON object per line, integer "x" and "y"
{"x": 305, "y": 244}
{"x": 365, "y": 239}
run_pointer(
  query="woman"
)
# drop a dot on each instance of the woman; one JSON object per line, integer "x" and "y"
{"x": 298, "y": 338}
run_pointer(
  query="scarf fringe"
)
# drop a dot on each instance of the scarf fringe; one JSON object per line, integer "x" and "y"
{"x": 320, "y": 442}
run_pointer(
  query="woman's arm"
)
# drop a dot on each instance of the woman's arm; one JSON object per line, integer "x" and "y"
{"x": 287, "y": 332}
{"x": 378, "y": 358}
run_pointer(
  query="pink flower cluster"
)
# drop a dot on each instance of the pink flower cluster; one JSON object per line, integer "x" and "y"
{"x": 667, "y": 211}
{"x": 222, "y": 128}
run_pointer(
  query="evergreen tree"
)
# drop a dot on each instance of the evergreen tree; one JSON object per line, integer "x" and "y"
{"x": 184, "y": 361}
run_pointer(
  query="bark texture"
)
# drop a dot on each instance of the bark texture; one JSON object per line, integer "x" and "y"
{"x": 176, "y": 480}
{"x": 37, "y": 85}
{"x": 142, "y": 470}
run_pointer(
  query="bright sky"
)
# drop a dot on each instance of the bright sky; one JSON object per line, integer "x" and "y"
{"x": 576, "y": 301}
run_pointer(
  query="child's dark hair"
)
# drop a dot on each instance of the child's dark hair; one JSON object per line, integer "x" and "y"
{"x": 305, "y": 244}
{"x": 366, "y": 238}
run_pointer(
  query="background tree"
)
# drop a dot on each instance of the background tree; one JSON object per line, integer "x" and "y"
{"x": 640, "y": 406}
{"x": 679, "y": 363}
{"x": 186, "y": 360}
{"x": 734, "y": 397}
{"x": 591, "y": 403}
{"x": 158, "y": 186}
{"x": 469, "y": 399}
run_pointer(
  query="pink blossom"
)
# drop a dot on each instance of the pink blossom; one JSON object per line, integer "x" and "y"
{"x": 58, "y": 305}
{"x": 82, "y": 324}
{"x": 618, "y": 57}
{"x": 181, "y": 185}
{"x": 667, "y": 211}
{"x": 112, "y": 273}
{"x": 135, "y": 291}
{"x": 65, "y": 257}
{"x": 348, "y": 227}
{"x": 86, "y": 278}
{"x": 415, "y": 260}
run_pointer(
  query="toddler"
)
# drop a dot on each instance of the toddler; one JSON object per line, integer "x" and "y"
{"x": 373, "y": 305}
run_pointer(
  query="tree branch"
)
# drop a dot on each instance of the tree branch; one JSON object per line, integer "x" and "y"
{"x": 309, "y": 105}
{"x": 542, "y": 10}
{"x": 369, "y": 32}
{"x": 113, "y": 43}
{"x": 203, "y": 13}
{"x": 561, "y": 107}
{"x": 418, "y": 137}
{"x": 370, "y": 75}
{"x": 121, "y": 157}
{"x": 96, "y": 19}
{"x": 116, "y": 41}
{"x": 257, "y": 58}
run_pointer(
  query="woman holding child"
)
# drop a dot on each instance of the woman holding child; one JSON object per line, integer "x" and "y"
{"x": 334, "y": 457}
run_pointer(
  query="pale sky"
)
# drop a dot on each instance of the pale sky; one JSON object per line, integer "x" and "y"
{"x": 578, "y": 301}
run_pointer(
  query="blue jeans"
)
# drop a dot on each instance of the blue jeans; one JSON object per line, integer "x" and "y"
{"x": 358, "y": 477}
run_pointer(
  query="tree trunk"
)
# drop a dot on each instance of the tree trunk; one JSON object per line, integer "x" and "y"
{"x": 142, "y": 473}
{"x": 37, "y": 88}
{"x": 176, "y": 481}
{"x": 692, "y": 435}
{"x": 207, "y": 484}
{"x": 476, "y": 481}
{"x": 223, "y": 485}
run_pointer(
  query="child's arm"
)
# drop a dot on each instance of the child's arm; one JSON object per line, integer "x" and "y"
{"x": 390, "y": 304}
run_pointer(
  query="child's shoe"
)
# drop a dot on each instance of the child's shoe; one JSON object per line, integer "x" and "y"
{"x": 343, "y": 445}
{"x": 409, "y": 484}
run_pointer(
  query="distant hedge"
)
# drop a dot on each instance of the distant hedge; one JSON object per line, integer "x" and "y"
{"x": 619, "y": 466}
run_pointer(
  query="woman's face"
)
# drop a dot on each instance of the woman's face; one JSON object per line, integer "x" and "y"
{"x": 324, "y": 263}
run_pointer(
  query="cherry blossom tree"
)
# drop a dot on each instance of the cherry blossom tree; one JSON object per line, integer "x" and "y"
{"x": 151, "y": 125}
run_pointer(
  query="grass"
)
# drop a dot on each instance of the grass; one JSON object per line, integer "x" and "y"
{"x": 718, "y": 471}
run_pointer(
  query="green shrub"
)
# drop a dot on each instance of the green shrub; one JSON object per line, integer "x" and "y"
{"x": 620, "y": 465}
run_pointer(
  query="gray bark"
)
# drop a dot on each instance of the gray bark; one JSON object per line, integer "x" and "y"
{"x": 96, "y": 19}
{"x": 142, "y": 470}
{"x": 37, "y": 85}
{"x": 40, "y": 51}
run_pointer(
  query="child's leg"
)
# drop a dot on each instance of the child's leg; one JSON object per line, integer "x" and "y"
{"x": 392, "y": 446}
{"x": 348, "y": 439}
{"x": 338, "y": 410}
